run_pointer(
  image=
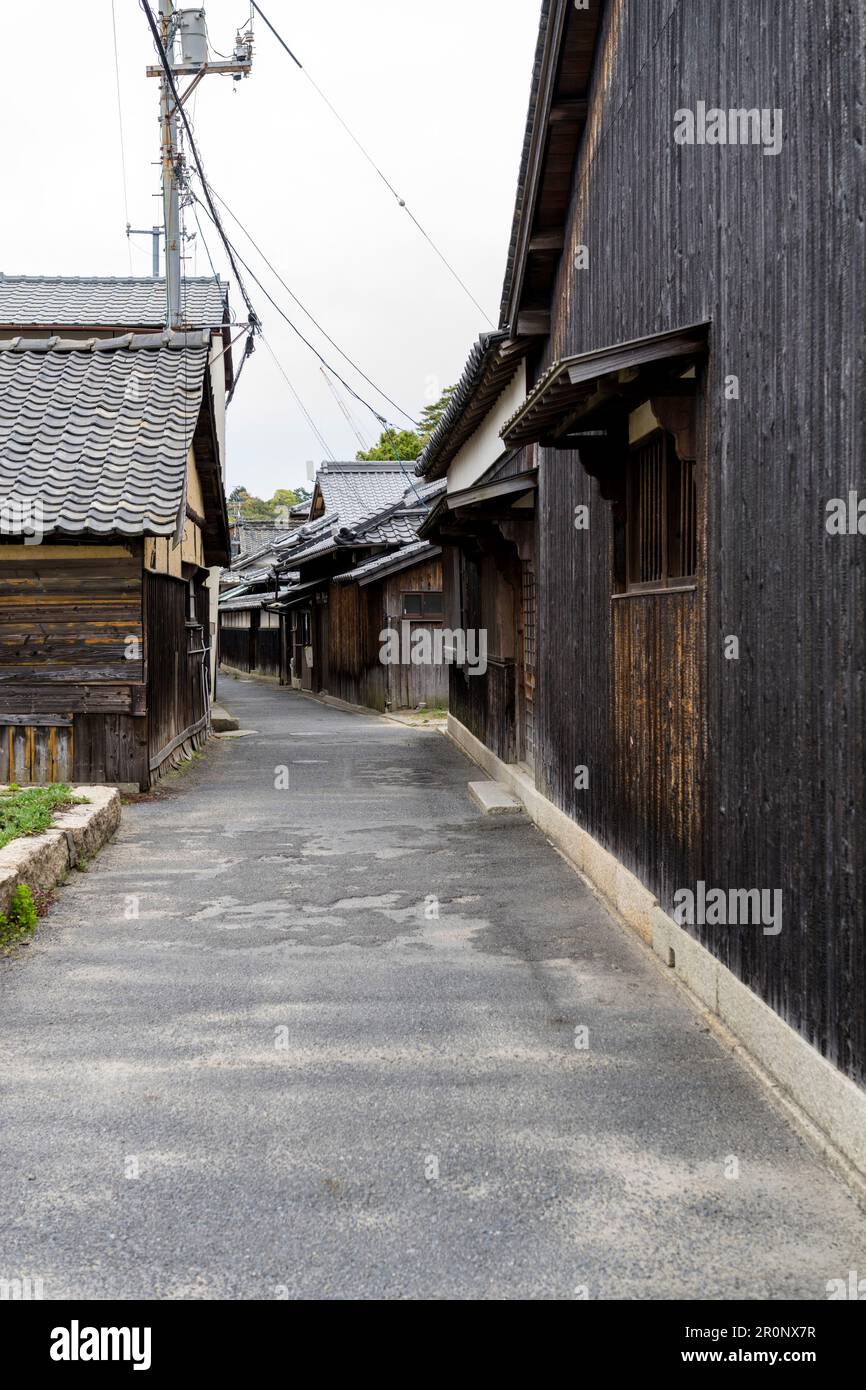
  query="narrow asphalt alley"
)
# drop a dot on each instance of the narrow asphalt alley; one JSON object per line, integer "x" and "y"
{"x": 334, "y": 1055}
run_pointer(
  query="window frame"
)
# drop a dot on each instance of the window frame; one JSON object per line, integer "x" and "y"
{"x": 665, "y": 582}
{"x": 422, "y": 617}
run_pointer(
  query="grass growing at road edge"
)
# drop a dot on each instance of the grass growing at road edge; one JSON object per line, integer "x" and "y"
{"x": 30, "y": 810}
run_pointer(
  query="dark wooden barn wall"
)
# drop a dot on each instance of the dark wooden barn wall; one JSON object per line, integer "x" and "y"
{"x": 771, "y": 251}
{"x": 235, "y": 647}
{"x": 259, "y": 653}
{"x": 67, "y": 686}
{"x": 355, "y": 619}
{"x": 176, "y": 699}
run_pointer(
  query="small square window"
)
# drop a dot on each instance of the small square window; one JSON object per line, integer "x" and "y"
{"x": 425, "y": 605}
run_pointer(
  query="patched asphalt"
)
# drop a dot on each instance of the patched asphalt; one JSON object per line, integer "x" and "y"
{"x": 336, "y": 1044}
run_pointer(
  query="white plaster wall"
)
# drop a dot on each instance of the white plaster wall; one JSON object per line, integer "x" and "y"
{"x": 485, "y": 446}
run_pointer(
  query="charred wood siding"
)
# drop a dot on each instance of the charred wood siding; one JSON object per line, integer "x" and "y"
{"x": 176, "y": 692}
{"x": 770, "y": 250}
{"x": 235, "y": 647}
{"x": 355, "y": 619}
{"x": 252, "y": 648}
{"x": 268, "y": 651}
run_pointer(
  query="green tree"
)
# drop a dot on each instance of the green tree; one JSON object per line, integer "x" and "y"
{"x": 244, "y": 506}
{"x": 432, "y": 414}
{"x": 285, "y": 497}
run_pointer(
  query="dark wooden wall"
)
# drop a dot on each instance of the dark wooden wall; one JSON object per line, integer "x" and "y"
{"x": 356, "y": 618}
{"x": 235, "y": 647}
{"x": 71, "y": 692}
{"x": 176, "y": 695}
{"x": 259, "y": 653}
{"x": 771, "y": 251}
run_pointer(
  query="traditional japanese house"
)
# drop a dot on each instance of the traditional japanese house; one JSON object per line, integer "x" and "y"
{"x": 360, "y": 572}
{"x": 641, "y": 471}
{"x": 113, "y": 511}
{"x": 79, "y": 307}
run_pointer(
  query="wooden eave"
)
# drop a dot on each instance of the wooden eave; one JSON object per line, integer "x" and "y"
{"x": 557, "y": 119}
{"x": 493, "y": 381}
{"x": 573, "y": 382}
{"x": 215, "y": 530}
{"x": 512, "y": 488}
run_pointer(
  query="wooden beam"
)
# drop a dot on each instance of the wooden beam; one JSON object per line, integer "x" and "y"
{"x": 568, "y": 111}
{"x": 547, "y": 241}
{"x": 533, "y": 323}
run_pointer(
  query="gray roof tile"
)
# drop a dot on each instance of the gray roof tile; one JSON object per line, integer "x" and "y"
{"x": 105, "y": 301}
{"x": 98, "y": 436}
{"x": 413, "y": 554}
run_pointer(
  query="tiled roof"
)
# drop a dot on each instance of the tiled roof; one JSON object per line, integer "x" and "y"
{"x": 356, "y": 489}
{"x": 407, "y": 555}
{"x": 105, "y": 301}
{"x": 490, "y": 366}
{"x": 239, "y": 603}
{"x": 97, "y": 433}
{"x": 393, "y": 524}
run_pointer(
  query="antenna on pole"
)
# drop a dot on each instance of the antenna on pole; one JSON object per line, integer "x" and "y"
{"x": 156, "y": 233}
{"x": 190, "y": 27}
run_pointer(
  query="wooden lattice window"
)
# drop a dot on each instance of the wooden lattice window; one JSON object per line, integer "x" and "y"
{"x": 662, "y": 516}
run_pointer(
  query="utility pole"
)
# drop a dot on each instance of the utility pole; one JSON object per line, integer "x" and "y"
{"x": 170, "y": 175}
{"x": 191, "y": 27}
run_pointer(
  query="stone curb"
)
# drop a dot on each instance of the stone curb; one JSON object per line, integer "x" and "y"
{"x": 41, "y": 861}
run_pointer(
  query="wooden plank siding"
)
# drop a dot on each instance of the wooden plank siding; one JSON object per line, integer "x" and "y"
{"x": 764, "y": 248}
{"x": 66, "y": 614}
{"x": 71, "y": 663}
{"x": 176, "y": 692}
{"x": 356, "y": 618}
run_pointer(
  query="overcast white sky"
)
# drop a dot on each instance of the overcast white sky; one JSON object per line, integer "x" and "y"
{"x": 437, "y": 92}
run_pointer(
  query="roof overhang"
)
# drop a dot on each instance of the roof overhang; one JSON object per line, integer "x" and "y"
{"x": 491, "y": 366}
{"x": 399, "y": 562}
{"x": 505, "y": 488}
{"x": 557, "y": 118}
{"x": 215, "y": 523}
{"x": 573, "y": 385}
{"x": 299, "y": 594}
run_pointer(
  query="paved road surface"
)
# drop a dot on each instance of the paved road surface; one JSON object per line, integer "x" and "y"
{"x": 288, "y": 1044}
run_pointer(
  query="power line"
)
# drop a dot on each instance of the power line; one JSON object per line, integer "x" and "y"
{"x": 120, "y": 128}
{"x": 371, "y": 161}
{"x": 310, "y": 421}
{"x": 310, "y": 316}
{"x": 294, "y": 327}
{"x": 344, "y": 409}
